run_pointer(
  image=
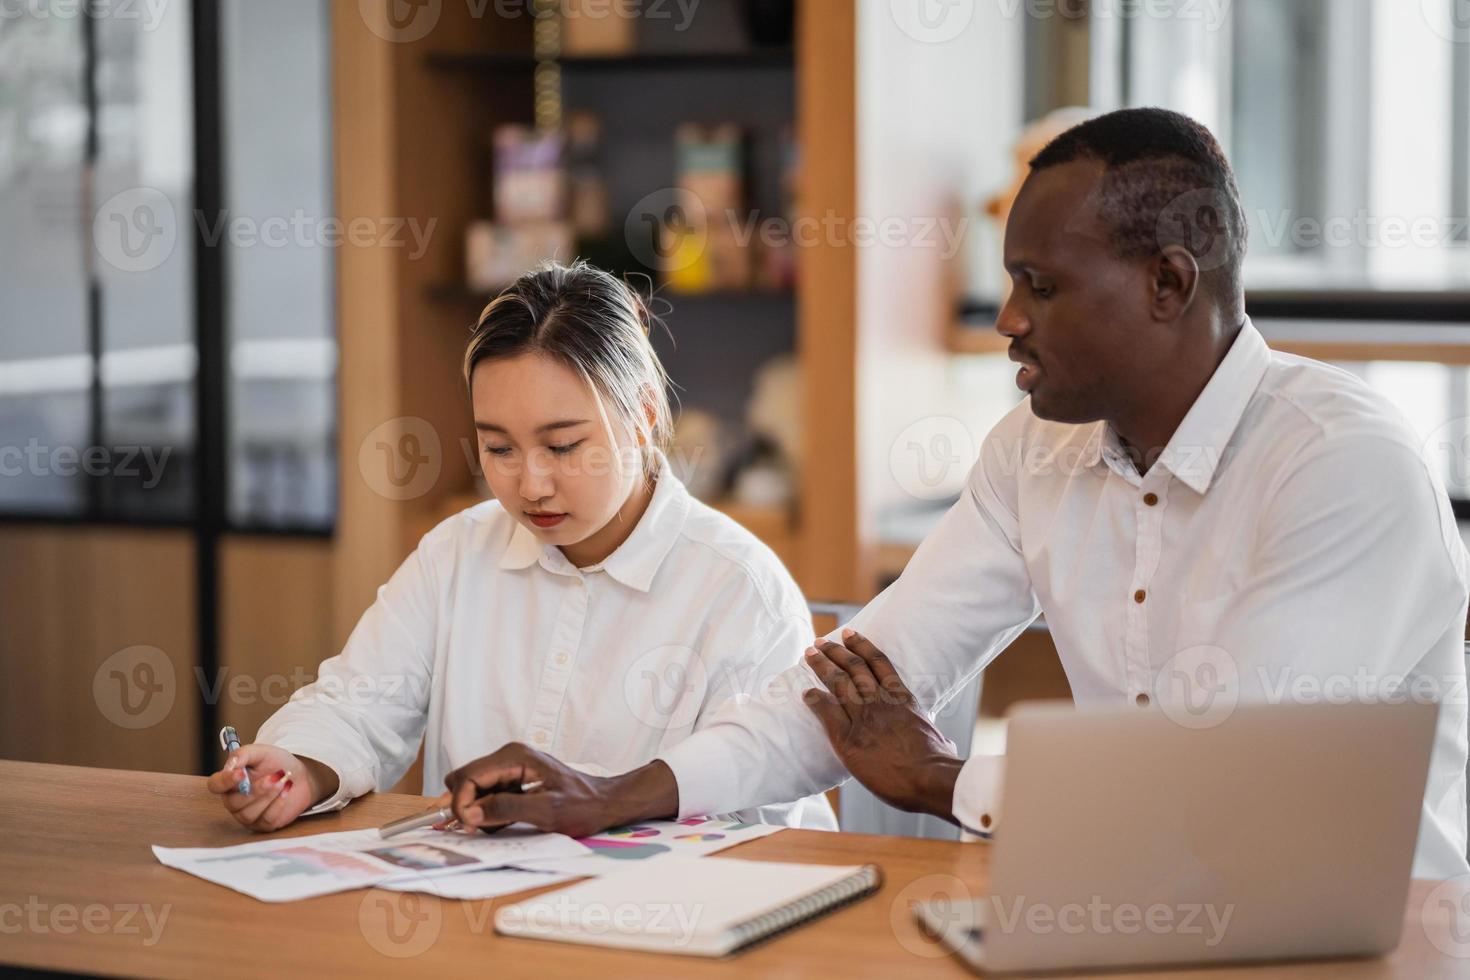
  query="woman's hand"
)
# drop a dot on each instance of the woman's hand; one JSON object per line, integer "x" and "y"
{"x": 282, "y": 786}
{"x": 486, "y": 793}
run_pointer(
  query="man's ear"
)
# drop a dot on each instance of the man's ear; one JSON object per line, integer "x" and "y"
{"x": 1176, "y": 279}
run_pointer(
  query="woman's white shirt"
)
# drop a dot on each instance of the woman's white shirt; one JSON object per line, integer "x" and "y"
{"x": 485, "y": 636}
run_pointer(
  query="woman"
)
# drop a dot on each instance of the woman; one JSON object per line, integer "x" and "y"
{"x": 593, "y": 609}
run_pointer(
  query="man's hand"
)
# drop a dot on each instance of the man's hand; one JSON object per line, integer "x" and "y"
{"x": 485, "y": 793}
{"x": 877, "y": 730}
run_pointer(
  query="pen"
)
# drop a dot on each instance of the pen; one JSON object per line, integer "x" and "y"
{"x": 230, "y": 742}
{"x": 434, "y": 816}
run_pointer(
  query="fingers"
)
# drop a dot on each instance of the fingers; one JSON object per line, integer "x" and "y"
{"x": 443, "y": 800}
{"x": 225, "y": 781}
{"x": 247, "y": 809}
{"x": 281, "y": 811}
{"x": 462, "y": 791}
{"x": 891, "y": 684}
{"x": 829, "y": 713}
{"x": 471, "y": 782}
{"x": 858, "y": 675}
{"x": 498, "y": 810}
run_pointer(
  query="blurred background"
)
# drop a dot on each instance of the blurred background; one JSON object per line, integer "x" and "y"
{"x": 244, "y": 242}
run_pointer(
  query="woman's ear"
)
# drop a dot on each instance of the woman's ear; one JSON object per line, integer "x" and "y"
{"x": 650, "y": 413}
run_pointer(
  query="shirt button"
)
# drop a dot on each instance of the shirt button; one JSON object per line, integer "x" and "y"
{"x": 1139, "y": 596}
{"x": 1150, "y": 498}
{"x": 540, "y": 738}
{"x": 561, "y": 658}
{"x": 1141, "y": 700}
{"x": 985, "y": 821}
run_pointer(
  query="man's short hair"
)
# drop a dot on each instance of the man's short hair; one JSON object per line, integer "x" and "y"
{"x": 1166, "y": 182}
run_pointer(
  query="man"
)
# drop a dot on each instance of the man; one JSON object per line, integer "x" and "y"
{"x": 1194, "y": 514}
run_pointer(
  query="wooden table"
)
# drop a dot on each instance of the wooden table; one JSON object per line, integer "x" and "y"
{"x": 80, "y": 891}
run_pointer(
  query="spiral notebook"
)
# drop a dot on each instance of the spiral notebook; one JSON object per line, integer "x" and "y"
{"x": 691, "y": 905}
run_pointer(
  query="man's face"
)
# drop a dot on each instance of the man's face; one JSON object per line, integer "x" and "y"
{"x": 1078, "y": 316}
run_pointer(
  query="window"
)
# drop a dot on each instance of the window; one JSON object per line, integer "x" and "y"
{"x": 102, "y": 377}
{"x": 279, "y": 267}
{"x": 1348, "y": 122}
{"x": 96, "y": 403}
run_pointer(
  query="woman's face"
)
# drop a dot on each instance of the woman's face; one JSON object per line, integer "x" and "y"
{"x": 545, "y": 450}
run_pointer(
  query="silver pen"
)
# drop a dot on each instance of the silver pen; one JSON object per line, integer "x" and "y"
{"x": 431, "y": 817}
{"x": 230, "y": 742}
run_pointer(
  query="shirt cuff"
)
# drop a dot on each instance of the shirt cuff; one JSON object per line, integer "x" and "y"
{"x": 349, "y": 787}
{"x": 703, "y": 776}
{"x": 976, "y": 802}
{"x": 336, "y": 801}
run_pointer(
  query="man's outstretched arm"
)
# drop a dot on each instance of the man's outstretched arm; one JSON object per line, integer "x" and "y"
{"x": 963, "y": 598}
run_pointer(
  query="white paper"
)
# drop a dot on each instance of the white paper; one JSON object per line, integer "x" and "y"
{"x": 304, "y": 867}
{"x": 616, "y": 850}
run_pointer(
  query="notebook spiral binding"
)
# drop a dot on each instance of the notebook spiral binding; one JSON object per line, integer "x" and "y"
{"x": 773, "y": 923}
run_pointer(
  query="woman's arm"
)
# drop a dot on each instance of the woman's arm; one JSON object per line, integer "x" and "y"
{"x": 357, "y": 727}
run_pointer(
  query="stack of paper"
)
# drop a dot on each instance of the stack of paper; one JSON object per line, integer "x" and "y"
{"x": 447, "y": 863}
{"x": 304, "y": 867}
{"x": 608, "y": 852}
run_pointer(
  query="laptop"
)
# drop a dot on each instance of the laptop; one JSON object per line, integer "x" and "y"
{"x": 1283, "y": 832}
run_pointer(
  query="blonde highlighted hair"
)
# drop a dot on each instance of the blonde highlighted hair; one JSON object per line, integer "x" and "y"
{"x": 595, "y": 324}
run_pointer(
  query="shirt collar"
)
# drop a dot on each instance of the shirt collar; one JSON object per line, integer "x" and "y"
{"x": 1198, "y": 447}
{"x": 638, "y": 558}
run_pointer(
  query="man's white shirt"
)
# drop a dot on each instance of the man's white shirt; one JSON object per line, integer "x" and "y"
{"x": 1289, "y": 544}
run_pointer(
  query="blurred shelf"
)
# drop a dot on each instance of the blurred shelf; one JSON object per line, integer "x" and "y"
{"x": 757, "y": 518}
{"x": 456, "y": 292}
{"x": 1379, "y": 305}
{"x": 967, "y": 339}
{"x": 775, "y": 526}
{"x": 757, "y": 58}
{"x": 973, "y": 331}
